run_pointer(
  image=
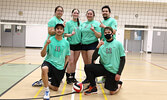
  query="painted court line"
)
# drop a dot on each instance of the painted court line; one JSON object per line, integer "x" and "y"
{"x": 80, "y": 75}
{"x": 105, "y": 97}
{"x": 156, "y": 65}
{"x": 11, "y": 60}
{"x": 38, "y": 92}
{"x": 64, "y": 87}
{"x": 147, "y": 80}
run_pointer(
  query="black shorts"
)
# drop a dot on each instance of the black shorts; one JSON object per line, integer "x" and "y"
{"x": 75, "y": 47}
{"x": 55, "y": 74}
{"x": 91, "y": 46}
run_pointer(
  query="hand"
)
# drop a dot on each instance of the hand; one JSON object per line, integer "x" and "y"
{"x": 48, "y": 41}
{"x": 100, "y": 43}
{"x": 92, "y": 28}
{"x": 73, "y": 32}
{"x": 102, "y": 25}
{"x": 117, "y": 77}
{"x": 64, "y": 23}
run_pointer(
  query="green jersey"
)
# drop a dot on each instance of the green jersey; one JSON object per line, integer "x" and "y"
{"x": 53, "y": 21}
{"x": 88, "y": 35}
{"x": 70, "y": 26}
{"x": 111, "y": 22}
{"x": 57, "y": 51}
{"x": 110, "y": 53}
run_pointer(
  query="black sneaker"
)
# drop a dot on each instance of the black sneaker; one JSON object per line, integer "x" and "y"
{"x": 91, "y": 90}
{"x": 74, "y": 80}
{"x": 69, "y": 81}
{"x": 85, "y": 81}
{"x": 87, "y": 87}
{"x": 120, "y": 82}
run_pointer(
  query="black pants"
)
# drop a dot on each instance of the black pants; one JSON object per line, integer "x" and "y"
{"x": 95, "y": 70}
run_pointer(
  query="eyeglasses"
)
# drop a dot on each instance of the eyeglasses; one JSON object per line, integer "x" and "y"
{"x": 59, "y": 10}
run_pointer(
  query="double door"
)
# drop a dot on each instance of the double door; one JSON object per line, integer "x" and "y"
{"x": 12, "y": 35}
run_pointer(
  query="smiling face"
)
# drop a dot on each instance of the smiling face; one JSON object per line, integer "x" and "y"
{"x": 75, "y": 14}
{"x": 90, "y": 15}
{"x": 59, "y": 12}
{"x": 59, "y": 30}
{"x": 106, "y": 13}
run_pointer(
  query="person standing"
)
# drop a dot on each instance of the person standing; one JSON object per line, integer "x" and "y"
{"x": 90, "y": 33}
{"x": 57, "y": 51}
{"x": 110, "y": 22}
{"x": 112, "y": 61}
{"x": 57, "y": 18}
{"x": 73, "y": 34}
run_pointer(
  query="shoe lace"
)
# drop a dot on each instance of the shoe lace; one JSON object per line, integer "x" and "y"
{"x": 90, "y": 88}
{"x": 46, "y": 93}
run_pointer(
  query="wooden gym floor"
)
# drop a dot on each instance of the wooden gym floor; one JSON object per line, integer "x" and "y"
{"x": 144, "y": 77}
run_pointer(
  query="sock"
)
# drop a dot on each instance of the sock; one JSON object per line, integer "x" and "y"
{"x": 46, "y": 88}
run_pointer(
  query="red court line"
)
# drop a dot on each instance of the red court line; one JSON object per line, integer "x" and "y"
{"x": 156, "y": 65}
{"x": 11, "y": 60}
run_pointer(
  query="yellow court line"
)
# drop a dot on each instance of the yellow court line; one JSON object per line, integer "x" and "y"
{"x": 105, "y": 97}
{"x": 64, "y": 87}
{"x": 80, "y": 75}
{"x": 38, "y": 92}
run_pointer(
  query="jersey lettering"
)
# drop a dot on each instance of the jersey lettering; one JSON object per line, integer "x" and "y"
{"x": 108, "y": 50}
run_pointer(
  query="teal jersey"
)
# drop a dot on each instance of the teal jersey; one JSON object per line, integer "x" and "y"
{"x": 53, "y": 21}
{"x": 88, "y": 35}
{"x": 110, "y": 53}
{"x": 57, "y": 51}
{"x": 70, "y": 26}
{"x": 111, "y": 22}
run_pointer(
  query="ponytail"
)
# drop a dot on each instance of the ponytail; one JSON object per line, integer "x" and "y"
{"x": 78, "y": 21}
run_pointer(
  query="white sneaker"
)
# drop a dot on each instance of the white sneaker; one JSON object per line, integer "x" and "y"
{"x": 103, "y": 79}
{"x": 47, "y": 95}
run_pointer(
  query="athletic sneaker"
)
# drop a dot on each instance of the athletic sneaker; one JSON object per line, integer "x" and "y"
{"x": 74, "y": 80}
{"x": 91, "y": 90}
{"x": 85, "y": 81}
{"x": 47, "y": 95}
{"x": 87, "y": 87}
{"x": 103, "y": 79}
{"x": 120, "y": 82}
{"x": 37, "y": 83}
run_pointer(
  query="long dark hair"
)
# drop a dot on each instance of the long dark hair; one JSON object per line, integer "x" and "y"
{"x": 61, "y": 8}
{"x": 77, "y": 18}
{"x": 92, "y": 11}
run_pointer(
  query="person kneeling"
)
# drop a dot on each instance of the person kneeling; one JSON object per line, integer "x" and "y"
{"x": 57, "y": 51}
{"x": 112, "y": 61}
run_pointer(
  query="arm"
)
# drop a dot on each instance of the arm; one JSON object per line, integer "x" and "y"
{"x": 66, "y": 61}
{"x": 95, "y": 55}
{"x": 69, "y": 35}
{"x": 97, "y": 34}
{"x": 51, "y": 31}
{"x": 121, "y": 66}
{"x": 43, "y": 52}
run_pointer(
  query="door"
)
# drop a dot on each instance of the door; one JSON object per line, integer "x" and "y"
{"x": 6, "y": 35}
{"x": 158, "y": 42}
{"x": 19, "y": 36}
{"x": 13, "y": 35}
{"x": 135, "y": 40}
{"x": 165, "y": 43}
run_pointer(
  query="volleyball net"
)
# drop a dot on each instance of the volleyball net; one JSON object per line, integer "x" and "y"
{"x": 126, "y": 12}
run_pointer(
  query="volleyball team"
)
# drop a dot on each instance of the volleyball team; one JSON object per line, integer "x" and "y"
{"x": 61, "y": 54}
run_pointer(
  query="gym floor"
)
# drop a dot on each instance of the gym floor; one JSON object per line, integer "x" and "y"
{"x": 144, "y": 77}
